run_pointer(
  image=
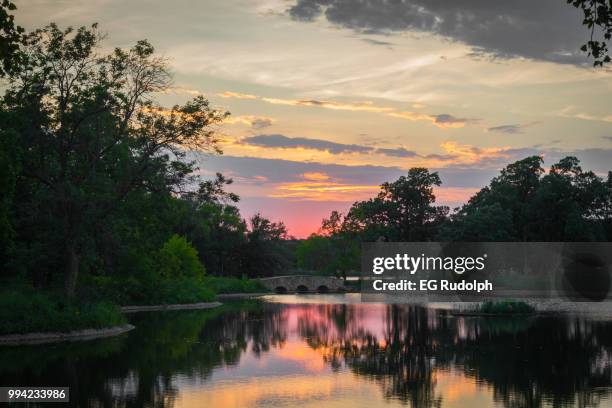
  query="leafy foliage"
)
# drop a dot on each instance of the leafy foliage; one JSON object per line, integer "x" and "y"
{"x": 597, "y": 17}
{"x": 220, "y": 284}
{"x": 178, "y": 258}
{"x": 10, "y": 37}
{"x": 26, "y": 312}
{"x": 505, "y": 307}
{"x": 523, "y": 204}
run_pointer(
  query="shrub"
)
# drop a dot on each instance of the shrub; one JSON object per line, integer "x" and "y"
{"x": 27, "y": 312}
{"x": 178, "y": 258}
{"x": 233, "y": 285}
{"x": 185, "y": 290}
{"x": 505, "y": 307}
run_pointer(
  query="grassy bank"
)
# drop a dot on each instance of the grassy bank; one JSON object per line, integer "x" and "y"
{"x": 505, "y": 307}
{"x": 26, "y": 310}
{"x": 149, "y": 292}
{"x": 223, "y": 285}
{"x": 29, "y": 311}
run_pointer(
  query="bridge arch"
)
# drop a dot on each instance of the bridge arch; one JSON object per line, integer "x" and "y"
{"x": 303, "y": 284}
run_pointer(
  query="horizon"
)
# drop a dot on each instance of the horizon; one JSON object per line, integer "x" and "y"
{"x": 314, "y": 129}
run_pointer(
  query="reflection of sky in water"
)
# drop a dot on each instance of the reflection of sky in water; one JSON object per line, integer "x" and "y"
{"x": 296, "y": 374}
{"x": 315, "y": 351}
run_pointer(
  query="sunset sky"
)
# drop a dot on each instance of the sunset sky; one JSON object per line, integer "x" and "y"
{"x": 330, "y": 98}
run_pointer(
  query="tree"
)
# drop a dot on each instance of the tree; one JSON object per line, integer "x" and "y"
{"x": 404, "y": 210}
{"x": 566, "y": 205}
{"x": 488, "y": 223}
{"x": 335, "y": 250}
{"x": 523, "y": 204}
{"x": 93, "y": 135}
{"x": 265, "y": 251}
{"x": 10, "y": 38}
{"x": 178, "y": 258}
{"x": 597, "y": 17}
{"x": 214, "y": 224}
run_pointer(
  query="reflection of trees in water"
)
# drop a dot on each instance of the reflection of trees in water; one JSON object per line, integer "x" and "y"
{"x": 558, "y": 361}
{"x": 401, "y": 360}
{"x": 140, "y": 369}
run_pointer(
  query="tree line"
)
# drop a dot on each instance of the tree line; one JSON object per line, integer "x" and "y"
{"x": 523, "y": 203}
{"x": 97, "y": 191}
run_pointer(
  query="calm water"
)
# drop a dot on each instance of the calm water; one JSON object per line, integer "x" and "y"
{"x": 314, "y": 351}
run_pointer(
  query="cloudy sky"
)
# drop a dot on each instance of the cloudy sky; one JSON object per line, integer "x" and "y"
{"x": 330, "y": 98}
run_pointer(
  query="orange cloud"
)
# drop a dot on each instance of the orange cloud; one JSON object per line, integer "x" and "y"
{"x": 443, "y": 120}
{"x": 360, "y": 107}
{"x": 323, "y": 191}
{"x": 236, "y": 95}
{"x": 467, "y": 154}
{"x": 315, "y": 176}
{"x": 256, "y": 122}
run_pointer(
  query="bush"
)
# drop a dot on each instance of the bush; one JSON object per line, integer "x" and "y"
{"x": 156, "y": 291}
{"x": 233, "y": 285}
{"x": 184, "y": 290}
{"x": 178, "y": 258}
{"x": 505, "y": 307}
{"x": 27, "y": 312}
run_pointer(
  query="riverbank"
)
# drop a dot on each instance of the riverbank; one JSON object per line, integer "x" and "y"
{"x": 156, "y": 308}
{"x": 53, "y": 337}
{"x": 230, "y": 296}
{"x": 33, "y": 338}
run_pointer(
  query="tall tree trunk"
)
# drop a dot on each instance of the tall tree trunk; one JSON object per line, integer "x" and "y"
{"x": 72, "y": 271}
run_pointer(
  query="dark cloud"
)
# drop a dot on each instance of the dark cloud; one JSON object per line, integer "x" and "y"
{"x": 377, "y": 42}
{"x": 511, "y": 129}
{"x": 282, "y": 141}
{"x": 442, "y": 157}
{"x": 609, "y": 138}
{"x": 285, "y": 142}
{"x": 397, "y": 152}
{"x": 454, "y": 175}
{"x": 446, "y": 119}
{"x": 547, "y": 30}
{"x": 282, "y": 171}
{"x": 260, "y": 123}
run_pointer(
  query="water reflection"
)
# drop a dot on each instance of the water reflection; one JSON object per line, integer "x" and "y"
{"x": 263, "y": 354}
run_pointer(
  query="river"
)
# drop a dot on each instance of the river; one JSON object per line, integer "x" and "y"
{"x": 328, "y": 351}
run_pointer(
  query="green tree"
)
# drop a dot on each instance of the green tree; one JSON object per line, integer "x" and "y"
{"x": 404, "y": 210}
{"x": 94, "y": 136}
{"x": 488, "y": 223}
{"x": 566, "y": 205}
{"x": 265, "y": 251}
{"x": 177, "y": 258}
{"x": 598, "y": 18}
{"x": 214, "y": 225}
{"x": 315, "y": 253}
{"x": 523, "y": 204}
{"x": 10, "y": 38}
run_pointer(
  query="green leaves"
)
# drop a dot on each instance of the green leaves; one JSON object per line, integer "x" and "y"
{"x": 598, "y": 18}
{"x": 177, "y": 258}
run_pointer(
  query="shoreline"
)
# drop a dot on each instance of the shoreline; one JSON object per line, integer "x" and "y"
{"x": 230, "y": 296}
{"x": 54, "y": 337}
{"x": 19, "y": 339}
{"x": 178, "y": 306}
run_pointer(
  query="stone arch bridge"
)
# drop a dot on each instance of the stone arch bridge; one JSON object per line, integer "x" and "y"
{"x": 303, "y": 284}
